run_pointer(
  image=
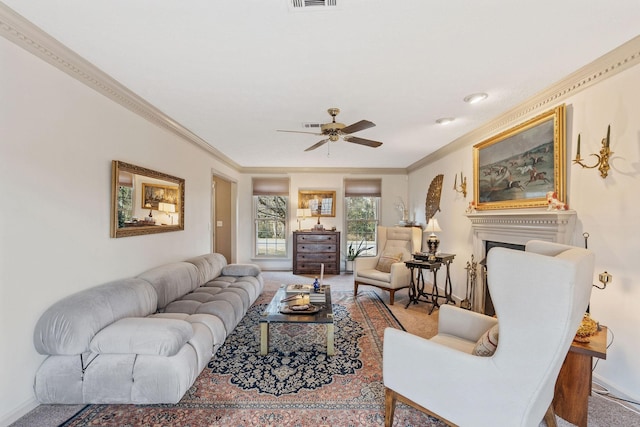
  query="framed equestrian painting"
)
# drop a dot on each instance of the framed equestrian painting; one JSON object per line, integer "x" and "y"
{"x": 523, "y": 166}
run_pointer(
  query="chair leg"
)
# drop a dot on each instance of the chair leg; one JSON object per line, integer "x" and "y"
{"x": 550, "y": 416}
{"x": 355, "y": 289}
{"x": 391, "y": 296}
{"x": 389, "y": 406}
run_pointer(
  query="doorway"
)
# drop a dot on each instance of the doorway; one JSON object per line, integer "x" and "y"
{"x": 223, "y": 195}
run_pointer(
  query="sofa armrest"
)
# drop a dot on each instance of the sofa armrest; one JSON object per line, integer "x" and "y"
{"x": 143, "y": 335}
{"x": 240, "y": 270}
{"x": 462, "y": 323}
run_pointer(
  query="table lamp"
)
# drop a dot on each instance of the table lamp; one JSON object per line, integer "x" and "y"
{"x": 167, "y": 208}
{"x": 302, "y": 214}
{"x": 433, "y": 242}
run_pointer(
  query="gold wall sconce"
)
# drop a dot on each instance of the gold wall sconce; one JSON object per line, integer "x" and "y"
{"x": 463, "y": 185}
{"x": 604, "y": 278}
{"x": 603, "y": 157}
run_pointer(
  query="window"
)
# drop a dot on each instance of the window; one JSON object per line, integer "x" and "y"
{"x": 270, "y": 213}
{"x": 362, "y": 204}
{"x": 125, "y": 198}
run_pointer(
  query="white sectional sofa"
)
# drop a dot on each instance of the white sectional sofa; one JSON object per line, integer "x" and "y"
{"x": 145, "y": 339}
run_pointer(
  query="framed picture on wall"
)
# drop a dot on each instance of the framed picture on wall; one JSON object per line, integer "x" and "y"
{"x": 321, "y": 202}
{"x": 153, "y": 195}
{"x": 518, "y": 167}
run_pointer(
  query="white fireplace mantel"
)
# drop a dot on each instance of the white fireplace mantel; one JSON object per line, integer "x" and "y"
{"x": 517, "y": 227}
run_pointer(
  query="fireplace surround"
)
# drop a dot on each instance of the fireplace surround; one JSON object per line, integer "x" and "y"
{"x": 516, "y": 227}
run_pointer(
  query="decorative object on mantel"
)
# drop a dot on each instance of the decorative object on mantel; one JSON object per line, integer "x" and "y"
{"x": 432, "y": 204}
{"x": 517, "y": 167}
{"x": 603, "y": 157}
{"x": 471, "y": 208}
{"x": 463, "y": 185}
{"x": 554, "y": 203}
{"x": 433, "y": 242}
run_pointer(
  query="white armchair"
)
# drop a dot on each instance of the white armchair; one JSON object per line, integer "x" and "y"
{"x": 540, "y": 296}
{"x": 400, "y": 242}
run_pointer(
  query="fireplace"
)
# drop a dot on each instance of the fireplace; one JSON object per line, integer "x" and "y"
{"x": 488, "y": 308}
{"x": 514, "y": 229}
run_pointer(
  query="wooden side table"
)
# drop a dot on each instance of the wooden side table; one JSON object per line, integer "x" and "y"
{"x": 445, "y": 259}
{"x": 417, "y": 284}
{"x": 573, "y": 386}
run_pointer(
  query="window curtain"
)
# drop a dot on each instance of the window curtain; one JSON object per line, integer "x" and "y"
{"x": 363, "y": 187}
{"x": 270, "y": 186}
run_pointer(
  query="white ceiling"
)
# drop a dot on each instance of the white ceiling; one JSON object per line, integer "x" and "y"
{"x": 233, "y": 71}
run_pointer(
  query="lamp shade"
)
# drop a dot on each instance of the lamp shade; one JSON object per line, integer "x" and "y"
{"x": 303, "y": 213}
{"x": 167, "y": 207}
{"x": 433, "y": 226}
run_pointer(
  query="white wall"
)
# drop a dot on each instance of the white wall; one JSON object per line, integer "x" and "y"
{"x": 394, "y": 187}
{"x": 607, "y": 209}
{"x": 57, "y": 140}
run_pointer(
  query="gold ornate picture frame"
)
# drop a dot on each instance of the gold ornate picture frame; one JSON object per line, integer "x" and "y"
{"x": 138, "y": 179}
{"x": 518, "y": 167}
{"x": 321, "y": 202}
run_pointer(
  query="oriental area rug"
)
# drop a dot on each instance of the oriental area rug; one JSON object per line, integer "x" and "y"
{"x": 295, "y": 385}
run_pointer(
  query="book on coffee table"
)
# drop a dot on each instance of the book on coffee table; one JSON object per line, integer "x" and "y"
{"x": 299, "y": 289}
{"x": 320, "y": 296}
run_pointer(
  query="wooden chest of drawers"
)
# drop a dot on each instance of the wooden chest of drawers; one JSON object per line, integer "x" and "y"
{"x": 312, "y": 248}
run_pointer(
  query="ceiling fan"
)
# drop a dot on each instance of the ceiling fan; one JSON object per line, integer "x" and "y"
{"x": 334, "y": 131}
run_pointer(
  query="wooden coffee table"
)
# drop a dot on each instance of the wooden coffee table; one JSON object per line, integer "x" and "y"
{"x": 272, "y": 314}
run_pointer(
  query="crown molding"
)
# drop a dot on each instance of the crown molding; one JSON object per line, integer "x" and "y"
{"x": 608, "y": 65}
{"x": 15, "y": 28}
{"x": 316, "y": 170}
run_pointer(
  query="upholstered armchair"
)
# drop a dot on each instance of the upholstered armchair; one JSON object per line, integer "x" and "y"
{"x": 540, "y": 296}
{"x": 387, "y": 269}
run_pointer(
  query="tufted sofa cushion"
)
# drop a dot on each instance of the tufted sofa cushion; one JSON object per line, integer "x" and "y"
{"x": 143, "y": 335}
{"x": 68, "y": 326}
{"x": 172, "y": 281}
{"x": 209, "y": 266}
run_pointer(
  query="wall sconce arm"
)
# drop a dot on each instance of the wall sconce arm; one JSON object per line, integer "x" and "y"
{"x": 462, "y": 188}
{"x": 603, "y": 157}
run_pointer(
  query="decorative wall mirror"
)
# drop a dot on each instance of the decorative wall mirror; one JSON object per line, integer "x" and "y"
{"x": 144, "y": 201}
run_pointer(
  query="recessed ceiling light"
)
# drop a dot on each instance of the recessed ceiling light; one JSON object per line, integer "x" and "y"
{"x": 475, "y": 97}
{"x": 445, "y": 120}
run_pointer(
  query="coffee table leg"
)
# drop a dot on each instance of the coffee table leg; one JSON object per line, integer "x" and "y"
{"x": 264, "y": 338}
{"x": 330, "y": 332}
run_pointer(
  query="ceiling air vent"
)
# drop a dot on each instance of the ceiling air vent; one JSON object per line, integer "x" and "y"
{"x": 312, "y": 5}
{"x": 312, "y": 125}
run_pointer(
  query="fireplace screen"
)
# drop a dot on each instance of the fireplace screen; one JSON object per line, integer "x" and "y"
{"x": 489, "y": 310}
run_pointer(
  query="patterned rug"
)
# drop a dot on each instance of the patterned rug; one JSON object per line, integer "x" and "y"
{"x": 296, "y": 384}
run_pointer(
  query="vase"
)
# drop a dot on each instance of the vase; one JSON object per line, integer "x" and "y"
{"x": 348, "y": 266}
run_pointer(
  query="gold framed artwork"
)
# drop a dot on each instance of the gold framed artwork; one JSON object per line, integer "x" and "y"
{"x": 161, "y": 195}
{"x": 154, "y": 194}
{"x": 321, "y": 202}
{"x": 519, "y": 167}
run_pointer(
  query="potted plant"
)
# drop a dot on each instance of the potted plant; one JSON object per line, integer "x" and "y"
{"x": 353, "y": 253}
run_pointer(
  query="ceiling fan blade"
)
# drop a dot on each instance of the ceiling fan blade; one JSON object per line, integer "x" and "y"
{"x": 361, "y": 125}
{"x": 317, "y": 144}
{"x": 362, "y": 141}
{"x": 298, "y": 131}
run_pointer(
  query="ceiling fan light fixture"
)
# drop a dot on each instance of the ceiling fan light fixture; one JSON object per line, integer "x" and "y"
{"x": 475, "y": 97}
{"x": 445, "y": 120}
